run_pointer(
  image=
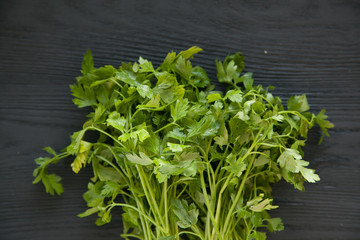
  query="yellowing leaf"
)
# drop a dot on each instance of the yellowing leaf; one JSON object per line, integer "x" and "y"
{"x": 81, "y": 158}
{"x": 189, "y": 53}
{"x": 263, "y": 205}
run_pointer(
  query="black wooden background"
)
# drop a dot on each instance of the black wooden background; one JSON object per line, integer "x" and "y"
{"x": 310, "y": 47}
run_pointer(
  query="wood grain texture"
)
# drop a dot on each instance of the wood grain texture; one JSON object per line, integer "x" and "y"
{"x": 313, "y": 47}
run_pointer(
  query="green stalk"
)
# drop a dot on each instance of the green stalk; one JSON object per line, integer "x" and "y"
{"x": 260, "y": 96}
{"x": 112, "y": 165}
{"x": 220, "y": 165}
{"x": 197, "y": 231}
{"x": 238, "y": 195}
{"x": 115, "y": 156}
{"x": 297, "y": 114}
{"x": 144, "y": 223}
{"x": 208, "y": 204}
{"x": 150, "y": 196}
{"x": 125, "y": 235}
{"x": 174, "y": 187}
{"x": 218, "y": 209}
{"x": 146, "y": 230}
{"x": 167, "y": 125}
{"x": 197, "y": 203}
{"x": 253, "y": 145}
{"x": 190, "y": 233}
{"x": 107, "y": 134}
{"x": 141, "y": 213}
{"x": 166, "y": 210}
{"x": 207, "y": 225}
{"x": 219, "y": 200}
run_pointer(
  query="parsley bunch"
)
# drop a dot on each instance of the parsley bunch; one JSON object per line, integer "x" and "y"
{"x": 182, "y": 160}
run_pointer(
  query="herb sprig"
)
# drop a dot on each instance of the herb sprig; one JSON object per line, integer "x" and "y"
{"x": 182, "y": 160}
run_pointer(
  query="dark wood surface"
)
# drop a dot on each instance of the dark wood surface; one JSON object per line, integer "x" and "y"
{"x": 313, "y": 47}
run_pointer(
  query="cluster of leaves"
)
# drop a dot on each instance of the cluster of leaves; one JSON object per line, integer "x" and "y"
{"x": 180, "y": 159}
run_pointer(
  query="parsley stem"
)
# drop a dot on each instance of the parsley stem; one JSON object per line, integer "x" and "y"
{"x": 208, "y": 204}
{"x": 141, "y": 213}
{"x": 125, "y": 235}
{"x": 297, "y": 114}
{"x": 191, "y": 233}
{"x": 132, "y": 117}
{"x": 260, "y": 96}
{"x": 116, "y": 158}
{"x": 182, "y": 191}
{"x": 166, "y": 210}
{"x": 198, "y": 203}
{"x": 255, "y": 174}
{"x": 270, "y": 145}
{"x": 166, "y": 126}
{"x": 111, "y": 164}
{"x": 238, "y": 195}
{"x": 260, "y": 153}
{"x": 56, "y": 158}
{"x": 144, "y": 223}
{"x": 149, "y": 195}
{"x": 231, "y": 175}
{"x": 244, "y": 178}
{"x": 201, "y": 150}
{"x": 43, "y": 168}
{"x": 113, "y": 79}
{"x": 220, "y": 165}
{"x": 219, "y": 200}
{"x": 107, "y": 134}
{"x": 233, "y": 228}
{"x": 211, "y": 174}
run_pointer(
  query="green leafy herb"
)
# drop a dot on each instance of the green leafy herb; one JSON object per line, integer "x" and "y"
{"x": 179, "y": 158}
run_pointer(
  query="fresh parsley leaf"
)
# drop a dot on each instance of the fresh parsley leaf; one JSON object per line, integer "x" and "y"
{"x": 52, "y": 184}
{"x": 145, "y": 65}
{"x": 323, "y": 123}
{"x": 143, "y": 159}
{"x": 116, "y": 121}
{"x": 213, "y": 97}
{"x": 186, "y": 215}
{"x": 85, "y": 96}
{"x": 199, "y": 77}
{"x": 298, "y": 103}
{"x": 183, "y": 67}
{"x": 180, "y": 109}
{"x": 88, "y": 63}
